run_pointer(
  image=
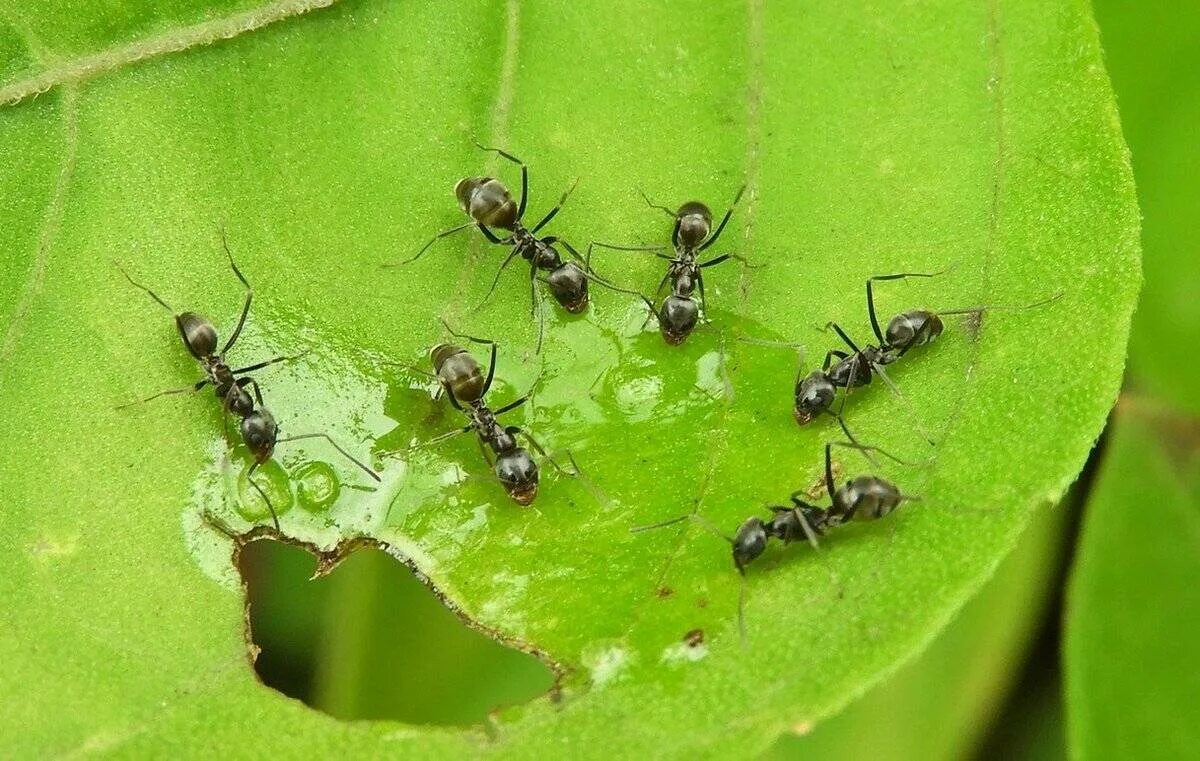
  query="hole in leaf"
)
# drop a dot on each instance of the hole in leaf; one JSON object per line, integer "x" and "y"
{"x": 370, "y": 641}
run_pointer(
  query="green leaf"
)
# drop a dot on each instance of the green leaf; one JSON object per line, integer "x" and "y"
{"x": 1131, "y": 600}
{"x": 983, "y": 138}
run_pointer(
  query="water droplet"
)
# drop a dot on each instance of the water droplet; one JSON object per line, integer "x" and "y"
{"x": 317, "y": 486}
{"x": 273, "y": 480}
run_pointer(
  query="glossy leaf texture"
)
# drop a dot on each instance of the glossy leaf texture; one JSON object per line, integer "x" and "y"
{"x": 1131, "y": 597}
{"x": 903, "y": 137}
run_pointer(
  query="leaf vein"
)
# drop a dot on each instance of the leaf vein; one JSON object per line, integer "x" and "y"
{"x": 174, "y": 41}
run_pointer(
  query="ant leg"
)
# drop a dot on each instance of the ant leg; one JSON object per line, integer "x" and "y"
{"x": 221, "y": 526}
{"x": 512, "y": 405}
{"x": 447, "y": 436}
{"x": 524, "y": 174}
{"x": 871, "y": 295}
{"x": 263, "y": 494}
{"x": 491, "y": 373}
{"x": 724, "y": 221}
{"x": 261, "y": 365}
{"x": 830, "y": 355}
{"x": 425, "y": 248}
{"x": 185, "y": 390}
{"x": 554, "y": 212}
{"x": 496, "y": 280}
{"x": 334, "y": 444}
{"x": 136, "y": 284}
{"x": 865, "y": 448}
{"x": 615, "y": 247}
{"x": 896, "y": 390}
{"x": 249, "y": 296}
{"x": 491, "y": 236}
{"x": 703, "y": 301}
{"x": 665, "y": 279}
{"x": 718, "y": 259}
{"x": 534, "y": 307}
{"x": 842, "y": 334}
{"x": 663, "y": 524}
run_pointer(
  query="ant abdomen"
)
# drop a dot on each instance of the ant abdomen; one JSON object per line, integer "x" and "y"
{"x": 866, "y": 498}
{"x": 677, "y": 318}
{"x": 458, "y": 372}
{"x": 198, "y": 333}
{"x": 913, "y": 328}
{"x": 487, "y": 201}
{"x": 518, "y": 472}
{"x": 695, "y": 221}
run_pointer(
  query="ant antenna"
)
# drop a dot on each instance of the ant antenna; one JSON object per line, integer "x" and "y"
{"x": 334, "y": 444}
{"x": 1002, "y": 307}
{"x": 864, "y": 448}
{"x": 653, "y": 205}
{"x": 136, "y": 284}
{"x": 263, "y": 494}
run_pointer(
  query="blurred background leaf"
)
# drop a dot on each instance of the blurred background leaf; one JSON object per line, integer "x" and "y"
{"x": 1132, "y": 610}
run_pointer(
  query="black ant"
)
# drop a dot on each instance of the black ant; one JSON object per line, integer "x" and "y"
{"x": 864, "y": 498}
{"x": 905, "y": 331}
{"x": 488, "y": 203}
{"x": 462, "y": 379}
{"x": 259, "y": 430}
{"x": 691, "y": 235}
{"x": 814, "y": 393}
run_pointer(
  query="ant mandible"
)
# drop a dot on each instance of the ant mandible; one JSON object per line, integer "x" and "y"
{"x": 258, "y": 428}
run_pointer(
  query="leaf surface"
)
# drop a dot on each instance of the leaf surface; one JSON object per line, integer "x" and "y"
{"x": 983, "y": 138}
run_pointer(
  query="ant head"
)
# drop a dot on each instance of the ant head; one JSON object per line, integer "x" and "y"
{"x": 694, "y": 221}
{"x": 487, "y": 201}
{"x": 198, "y": 333}
{"x": 569, "y": 285}
{"x": 915, "y": 328}
{"x": 866, "y": 498}
{"x": 519, "y": 474}
{"x": 749, "y": 542}
{"x": 677, "y": 319}
{"x": 259, "y": 431}
{"x": 814, "y": 395}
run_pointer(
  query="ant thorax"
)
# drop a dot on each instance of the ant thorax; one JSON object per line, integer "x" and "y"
{"x": 854, "y": 370}
{"x": 541, "y": 254}
{"x": 683, "y": 277}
